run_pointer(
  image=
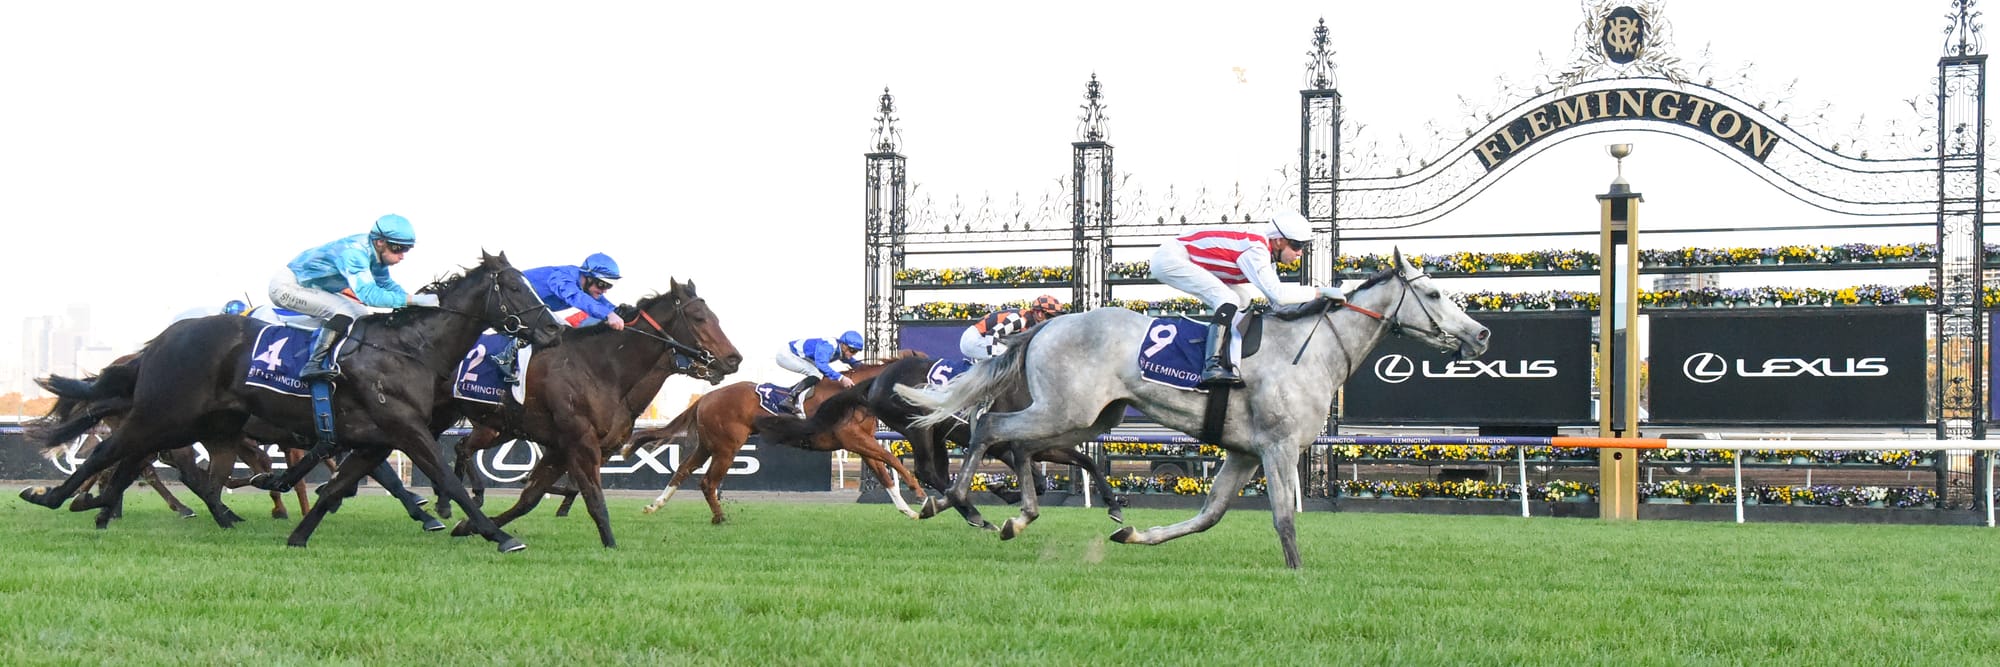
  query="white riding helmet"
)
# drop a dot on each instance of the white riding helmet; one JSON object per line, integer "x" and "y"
{"x": 1291, "y": 225}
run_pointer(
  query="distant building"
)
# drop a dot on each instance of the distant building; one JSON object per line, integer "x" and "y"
{"x": 1686, "y": 281}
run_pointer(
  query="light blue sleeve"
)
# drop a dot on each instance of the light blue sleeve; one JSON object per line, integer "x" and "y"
{"x": 370, "y": 281}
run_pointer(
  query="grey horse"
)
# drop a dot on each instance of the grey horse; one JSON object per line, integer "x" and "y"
{"x": 1082, "y": 371}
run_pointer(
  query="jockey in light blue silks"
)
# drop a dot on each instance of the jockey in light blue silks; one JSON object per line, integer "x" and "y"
{"x": 814, "y": 357}
{"x": 339, "y": 281}
{"x": 576, "y": 294}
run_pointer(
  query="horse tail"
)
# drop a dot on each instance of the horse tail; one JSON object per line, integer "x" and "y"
{"x": 81, "y": 404}
{"x": 986, "y": 381}
{"x": 679, "y": 425}
{"x": 796, "y": 432}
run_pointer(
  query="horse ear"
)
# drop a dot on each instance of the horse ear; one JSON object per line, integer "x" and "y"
{"x": 1401, "y": 263}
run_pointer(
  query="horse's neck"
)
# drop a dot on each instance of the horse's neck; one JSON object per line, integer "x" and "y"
{"x": 1351, "y": 337}
{"x": 438, "y": 338}
{"x": 633, "y": 366}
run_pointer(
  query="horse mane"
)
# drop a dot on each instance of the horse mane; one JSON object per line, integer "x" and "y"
{"x": 402, "y": 317}
{"x": 1377, "y": 279}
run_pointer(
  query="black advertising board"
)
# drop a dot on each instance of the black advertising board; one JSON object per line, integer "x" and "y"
{"x": 758, "y": 466}
{"x": 1537, "y": 372}
{"x": 1844, "y": 366}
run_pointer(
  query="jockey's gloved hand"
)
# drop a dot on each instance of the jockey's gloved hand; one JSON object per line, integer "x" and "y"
{"x": 425, "y": 300}
{"x": 615, "y": 321}
{"x": 1333, "y": 293}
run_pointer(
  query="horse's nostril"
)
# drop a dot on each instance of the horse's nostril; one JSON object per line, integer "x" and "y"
{"x": 1483, "y": 333}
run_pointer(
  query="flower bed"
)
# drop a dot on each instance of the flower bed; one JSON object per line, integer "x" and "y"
{"x": 1463, "y": 263}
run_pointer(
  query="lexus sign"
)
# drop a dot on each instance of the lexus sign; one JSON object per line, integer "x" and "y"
{"x": 1834, "y": 366}
{"x": 1537, "y": 372}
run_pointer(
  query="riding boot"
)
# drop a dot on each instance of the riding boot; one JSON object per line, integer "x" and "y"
{"x": 321, "y": 365}
{"x": 1219, "y": 371}
{"x": 795, "y": 403}
{"x": 507, "y": 360}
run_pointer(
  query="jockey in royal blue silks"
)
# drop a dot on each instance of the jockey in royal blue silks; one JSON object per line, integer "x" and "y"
{"x": 576, "y": 294}
{"x": 339, "y": 281}
{"x": 813, "y": 357}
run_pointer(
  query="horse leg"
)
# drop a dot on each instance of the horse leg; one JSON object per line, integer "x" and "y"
{"x": 112, "y": 498}
{"x": 870, "y": 450}
{"x": 152, "y": 479}
{"x": 344, "y": 478}
{"x": 413, "y": 504}
{"x": 545, "y": 473}
{"x": 711, "y": 485}
{"x": 292, "y": 458}
{"x": 1069, "y": 456}
{"x": 1031, "y": 500}
{"x": 202, "y": 483}
{"x": 695, "y": 457}
{"x": 1009, "y": 458}
{"x": 584, "y": 469}
{"x": 960, "y": 494}
{"x": 1281, "y": 471}
{"x": 423, "y": 455}
{"x": 568, "y": 496}
{"x": 1229, "y": 479}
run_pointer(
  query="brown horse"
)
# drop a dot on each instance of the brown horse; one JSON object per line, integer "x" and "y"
{"x": 584, "y": 395}
{"x": 722, "y": 420}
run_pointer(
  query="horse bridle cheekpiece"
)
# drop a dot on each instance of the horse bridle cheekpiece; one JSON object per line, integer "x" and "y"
{"x": 700, "y": 357}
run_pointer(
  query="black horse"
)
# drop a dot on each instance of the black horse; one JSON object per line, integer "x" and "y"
{"x": 927, "y": 444}
{"x": 188, "y": 386}
{"x": 584, "y": 396}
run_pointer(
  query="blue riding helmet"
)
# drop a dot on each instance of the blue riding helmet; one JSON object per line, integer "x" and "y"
{"x": 394, "y": 229}
{"x": 851, "y": 339}
{"x": 601, "y": 266}
{"x": 235, "y": 307}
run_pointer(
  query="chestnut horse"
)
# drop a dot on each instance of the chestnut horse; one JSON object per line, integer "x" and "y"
{"x": 722, "y": 420}
{"x": 928, "y": 443}
{"x": 584, "y": 395}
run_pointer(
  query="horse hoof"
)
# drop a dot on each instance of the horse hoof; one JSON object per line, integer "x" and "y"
{"x": 511, "y": 545}
{"x": 275, "y": 514}
{"x": 929, "y": 510}
{"x": 717, "y": 520}
{"x": 463, "y": 529}
{"x": 1124, "y": 535}
{"x": 187, "y": 514}
{"x": 433, "y": 525}
{"x": 422, "y": 501}
{"x": 650, "y": 509}
{"x": 984, "y": 525}
{"x": 295, "y": 544}
{"x": 1117, "y": 516}
{"x": 912, "y": 514}
{"x": 1012, "y": 528}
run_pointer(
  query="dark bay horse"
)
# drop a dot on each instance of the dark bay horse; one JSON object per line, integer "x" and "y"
{"x": 928, "y": 444}
{"x": 722, "y": 420}
{"x": 188, "y": 386}
{"x": 584, "y": 395}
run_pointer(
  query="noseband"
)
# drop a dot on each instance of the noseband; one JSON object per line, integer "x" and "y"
{"x": 700, "y": 356}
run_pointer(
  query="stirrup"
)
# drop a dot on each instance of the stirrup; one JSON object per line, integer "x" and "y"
{"x": 1218, "y": 374}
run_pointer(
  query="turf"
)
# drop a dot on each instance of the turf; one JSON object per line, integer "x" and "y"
{"x": 796, "y": 583}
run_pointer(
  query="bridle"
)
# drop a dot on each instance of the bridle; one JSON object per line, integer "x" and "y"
{"x": 699, "y": 356}
{"x": 510, "y": 321}
{"x": 1391, "y": 321}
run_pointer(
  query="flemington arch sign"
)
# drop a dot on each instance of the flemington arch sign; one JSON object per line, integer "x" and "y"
{"x": 1623, "y": 76}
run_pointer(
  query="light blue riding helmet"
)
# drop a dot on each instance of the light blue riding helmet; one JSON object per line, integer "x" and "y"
{"x": 601, "y": 266}
{"x": 851, "y": 339}
{"x": 394, "y": 229}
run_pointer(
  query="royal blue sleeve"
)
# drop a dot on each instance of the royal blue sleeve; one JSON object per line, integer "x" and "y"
{"x": 564, "y": 285}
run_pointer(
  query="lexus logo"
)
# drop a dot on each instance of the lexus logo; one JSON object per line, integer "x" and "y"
{"x": 1705, "y": 367}
{"x": 1395, "y": 368}
{"x": 498, "y": 468}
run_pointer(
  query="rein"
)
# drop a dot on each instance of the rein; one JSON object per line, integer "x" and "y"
{"x": 700, "y": 356}
{"x": 1395, "y": 325}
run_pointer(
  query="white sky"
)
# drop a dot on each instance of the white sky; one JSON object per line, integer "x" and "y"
{"x": 158, "y": 156}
